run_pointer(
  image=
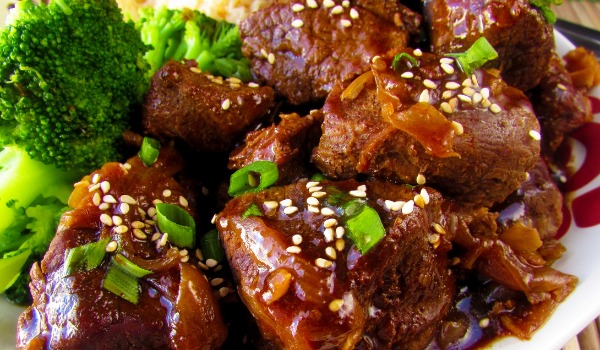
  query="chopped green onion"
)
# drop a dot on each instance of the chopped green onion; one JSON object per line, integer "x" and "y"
{"x": 318, "y": 177}
{"x": 11, "y": 267}
{"x": 85, "y": 257}
{"x": 245, "y": 179}
{"x": 211, "y": 246}
{"x": 178, "y": 223}
{"x": 544, "y": 6}
{"x": 149, "y": 151}
{"x": 252, "y": 210}
{"x": 412, "y": 62}
{"x": 122, "y": 278}
{"x": 363, "y": 225}
{"x": 476, "y": 56}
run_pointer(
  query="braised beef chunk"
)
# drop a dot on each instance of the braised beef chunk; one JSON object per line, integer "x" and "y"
{"x": 288, "y": 144}
{"x": 472, "y": 137}
{"x": 518, "y": 32}
{"x": 205, "y": 113}
{"x": 176, "y": 307}
{"x": 394, "y": 11}
{"x": 560, "y": 106}
{"x": 302, "y": 54}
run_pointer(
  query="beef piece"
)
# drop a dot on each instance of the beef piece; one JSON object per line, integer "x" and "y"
{"x": 559, "y": 105}
{"x": 393, "y": 11}
{"x": 288, "y": 144}
{"x": 393, "y": 296}
{"x": 475, "y": 143}
{"x": 176, "y": 307}
{"x": 302, "y": 54}
{"x": 206, "y": 113}
{"x": 537, "y": 203}
{"x": 520, "y": 34}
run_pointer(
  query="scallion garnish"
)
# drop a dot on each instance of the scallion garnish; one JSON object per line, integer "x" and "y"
{"x": 211, "y": 246}
{"x": 252, "y": 210}
{"x": 363, "y": 225}
{"x": 412, "y": 62}
{"x": 476, "y": 56}
{"x": 178, "y": 223}
{"x": 254, "y": 177}
{"x": 122, "y": 278}
{"x": 85, "y": 257}
{"x": 11, "y": 267}
{"x": 149, "y": 151}
{"x": 544, "y": 6}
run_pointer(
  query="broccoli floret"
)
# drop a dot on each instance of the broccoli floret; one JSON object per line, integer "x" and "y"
{"x": 70, "y": 73}
{"x": 189, "y": 34}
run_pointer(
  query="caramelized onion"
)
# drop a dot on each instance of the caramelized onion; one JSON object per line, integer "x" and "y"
{"x": 522, "y": 238}
{"x": 162, "y": 264}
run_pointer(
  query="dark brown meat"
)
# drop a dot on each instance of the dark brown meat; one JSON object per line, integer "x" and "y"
{"x": 392, "y": 297}
{"x": 288, "y": 144}
{"x": 393, "y": 11}
{"x": 522, "y": 37}
{"x": 559, "y": 105}
{"x": 302, "y": 54}
{"x": 206, "y": 113}
{"x": 176, "y": 308}
{"x": 478, "y": 152}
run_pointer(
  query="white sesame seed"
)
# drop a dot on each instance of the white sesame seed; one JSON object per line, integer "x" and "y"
{"x": 163, "y": 240}
{"x": 271, "y": 204}
{"x": 323, "y": 263}
{"x": 199, "y": 254}
{"x": 124, "y": 208}
{"x": 155, "y": 237}
{"x": 286, "y": 202}
{"x": 467, "y": 82}
{"x": 434, "y": 238}
{"x": 468, "y": 91}
{"x": 336, "y": 10}
{"x": 253, "y": 85}
{"x": 312, "y": 184}
{"x": 345, "y": 23}
{"x": 388, "y": 204}
{"x": 484, "y": 322}
{"x": 397, "y": 205}
{"x": 346, "y": 3}
{"x": 271, "y": 58}
{"x": 446, "y": 60}
{"x": 425, "y": 195}
{"x": 96, "y": 199}
{"x": 330, "y": 223}
{"x": 353, "y": 13}
{"x": 340, "y": 244}
{"x": 418, "y": 52}
{"x": 362, "y": 188}
{"x": 264, "y": 53}
{"x": 106, "y": 220}
{"x": 95, "y": 178}
{"x": 312, "y": 201}
{"x": 452, "y": 85}
{"x": 211, "y": 263}
{"x": 121, "y": 229}
{"x": 111, "y": 246}
{"x": 477, "y": 98}
{"x": 421, "y": 179}
{"x": 453, "y": 102}
{"x": 494, "y": 108}
{"x": 183, "y": 201}
{"x": 438, "y": 228}
{"x": 474, "y": 80}
{"x": 184, "y": 259}
{"x": 447, "y": 94}
{"x": 314, "y": 189}
{"x": 464, "y": 98}
{"x": 226, "y": 104}
{"x": 486, "y": 103}
{"x": 535, "y": 135}
{"x": 297, "y": 23}
{"x": 408, "y": 207}
{"x": 312, "y": 4}
{"x": 340, "y": 231}
{"x": 428, "y": 83}
{"x": 329, "y": 233}
{"x": 485, "y": 93}
{"x": 561, "y": 87}
{"x": 117, "y": 220}
{"x": 335, "y": 305}
{"x": 419, "y": 201}
{"x": 150, "y": 222}
{"x": 139, "y": 234}
{"x": 195, "y": 70}
{"x": 358, "y": 193}
{"x": 93, "y": 187}
{"x": 446, "y": 108}
{"x": 447, "y": 68}
{"x": 151, "y": 211}
{"x": 297, "y": 7}
{"x": 319, "y": 194}
{"x": 127, "y": 166}
{"x": 128, "y": 199}
{"x": 424, "y": 96}
{"x": 330, "y": 252}
{"x": 327, "y": 211}
{"x": 216, "y": 281}
{"x": 167, "y": 193}
{"x": 157, "y": 201}
{"x": 290, "y": 210}
{"x": 104, "y": 206}
{"x": 105, "y": 186}
{"x": 138, "y": 224}
{"x": 328, "y": 3}
{"x": 297, "y": 239}
{"x": 223, "y": 291}
{"x": 407, "y": 75}
{"x": 109, "y": 199}
{"x": 313, "y": 209}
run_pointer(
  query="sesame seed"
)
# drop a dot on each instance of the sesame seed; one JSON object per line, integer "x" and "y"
{"x": 138, "y": 224}
{"x": 328, "y": 3}
{"x": 494, "y": 108}
{"x": 109, "y": 199}
{"x": 96, "y": 199}
{"x": 327, "y": 211}
{"x": 111, "y": 246}
{"x": 485, "y": 93}
{"x": 330, "y": 223}
{"x": 223, "y": 291}
{"x": 155, "y": 237}
{"x": 105, "y": 186}
{"x": 313, "y": 209}
{"x": 329, "y": 234}
{"x": 157, "y": 201}
{"x": 353, "y": 13}
{"x": 447, "y": 94}
{"x": 434, "y": 238}
{"x": 163, "y": 240}
{"x": 271, "y": 58}
{"x": 198, "y": 254}
{"x": 312, "y": 201}
{"x": 335, "y": 305}
{"x": 477, "y": 98}
{"x": 446, "y": 60}
{"x": 290, "y": 210}
{"x": 297, "y": 7}
{"x": 424, "y": 96}
{"x": 184, "y": 259}
{"x": 535, "y": 135}
{"x": 93, "y": 187}
{"x": 271, "y": 204}
{"x": 139, "y": 234}
{"x": 408, "y": 207}
{"x": 124, "y": 208}
{"x": 106, "y": 220}
{"x": 429, "y": 84}
{"x": 421, "y": 179}
{"x": 419, "y": 201}
{"x": 336, "y": 10}
{"x": 438, "y": 228}
{"x": 297, "y": 23}
{"x": 211, "y": 263}
{"x": 452, "y": 85}
{"x": 474, "y": 80}
{"x": 467, "y": 82}
{"x": 468, "y": 91}
{"x": 195, "y": 70}
{"x": 340, "y": 244}
{"x": 418, "y": 52}
{"x": 397, "y": 205}
{"x": 446, "y": 108}
{"x": 312, "y": 184}
{"x": 297, "y": 239}
{"x": 407, "y": 75}
{"x": 167, "y": 193}
{"x": 362, "y": 188}
{"x": 358, "y": 193}
{"x": 150, "y": 222}
{"x": 378, "y": 63}
{"x": 128, "y": 199}
{"x": 312, "y": 4}
{"x": 253, "y": 85}
{"x": 345, "y": 23}
{"x": 104, "y": 206}
{"x": 183, "y": 201}
{"x": 96, "y": 178}
{"x": 330, "y": 252}
{"x": 339, "y": 232}
{"x": 117, "y": 220}
{"x": 323, "y": 263}
{"x": 121, "y": 229}
{"x": 286, "y": 202}
{"x": 346, "y": 3}
{"x": 226, "y": 104}
{"x": 151, "y": 211}
{"x": 264, "y": 53}
{"x": 216, "y": 281}
{"x": 486, "y": 103}
{"x": 315, "y": 189}
{"x": 319, "y": 194}
{"x": 484, "y": 322}
{"x": 453, "y": 102}
{"x": 464, "y": 98}
{"x": 425, "y": 195}
{"x": 561, "y": 87}
{"x": 388, "y": 204}
{"x": 127, "y": 166}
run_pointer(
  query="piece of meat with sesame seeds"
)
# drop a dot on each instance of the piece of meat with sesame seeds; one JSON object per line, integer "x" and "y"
{"x": 200, "y": 111}
{"x": 520, "y": 34}
{"x": 469, "y": 136}
{"x": 302, "y": 54}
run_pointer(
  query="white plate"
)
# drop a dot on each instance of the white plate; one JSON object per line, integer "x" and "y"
{"x": 581, "y": 259}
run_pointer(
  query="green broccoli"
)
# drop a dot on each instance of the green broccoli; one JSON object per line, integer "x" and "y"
{"x": 71, "y": 72}
{"x": 189, "y": 34}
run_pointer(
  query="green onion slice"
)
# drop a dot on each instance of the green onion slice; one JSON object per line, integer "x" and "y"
{"x": 178, "y": 223}
{"x": 85, "y": 257}
{"x": 252, "y": 210}
{"x": 211, "y": 246}
{"x": 254, "y": 177}
{"x": 476, "y": 56}
{"x": 11, "y": 267}
{"x": 149, "y": 151}
{"x": 545, "y": 8}
{"x": 411, "y": 61}
{"x": 122, "y": 278}
{"x": 363, "y": 225}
